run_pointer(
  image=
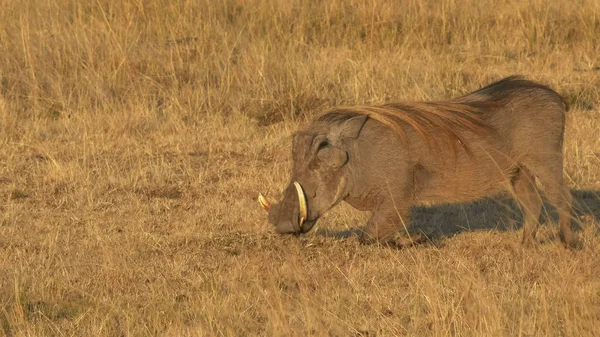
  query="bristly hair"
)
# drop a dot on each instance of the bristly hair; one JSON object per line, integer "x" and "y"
{"x": 441, "y": 123}
{"x": 438, "y": 123}
{"x": 501, "y": 90}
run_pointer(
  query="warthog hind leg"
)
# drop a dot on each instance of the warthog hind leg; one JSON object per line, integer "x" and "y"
{"x": 560, "y": 196}
{"x": 530, "y": 202}
{"x": 549, "y": 171}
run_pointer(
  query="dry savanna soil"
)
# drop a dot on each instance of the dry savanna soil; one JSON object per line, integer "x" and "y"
{"x": 135, "y": 136}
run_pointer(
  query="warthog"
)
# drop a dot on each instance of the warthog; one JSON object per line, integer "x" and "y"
{"x": 388, "y": 158}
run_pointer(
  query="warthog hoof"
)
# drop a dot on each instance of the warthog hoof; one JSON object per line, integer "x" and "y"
{"x": 571, "y": 242}
{"x": 394, "y": 242}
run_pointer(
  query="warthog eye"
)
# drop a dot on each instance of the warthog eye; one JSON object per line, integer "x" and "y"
{"x": 323, "y": 144}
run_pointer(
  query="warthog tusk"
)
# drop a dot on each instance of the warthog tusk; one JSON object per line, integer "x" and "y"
{"x": 301, "y": 203}
{"x": 264, "y": 202}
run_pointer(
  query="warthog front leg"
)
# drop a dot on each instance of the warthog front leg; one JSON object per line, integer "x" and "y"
{"x": 389, "y": 225}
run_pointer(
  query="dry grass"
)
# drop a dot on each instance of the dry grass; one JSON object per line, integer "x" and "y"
{"x": 135, "y": 136}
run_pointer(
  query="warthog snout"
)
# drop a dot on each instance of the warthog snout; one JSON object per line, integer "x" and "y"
{"x": 291, "y": 214}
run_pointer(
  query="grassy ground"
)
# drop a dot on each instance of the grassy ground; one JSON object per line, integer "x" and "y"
{"x": 135, "y": 136}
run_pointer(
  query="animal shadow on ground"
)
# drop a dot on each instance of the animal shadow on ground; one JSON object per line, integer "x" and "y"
{"x": 499, "y": 213}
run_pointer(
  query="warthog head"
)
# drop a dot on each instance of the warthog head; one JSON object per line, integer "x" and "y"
{"x": 320, "y": 174}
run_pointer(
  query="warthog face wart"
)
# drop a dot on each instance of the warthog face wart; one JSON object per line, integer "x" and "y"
{"x": 319, "y": 175}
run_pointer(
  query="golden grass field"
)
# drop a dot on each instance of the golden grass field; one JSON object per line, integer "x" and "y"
{"x": 135, "y": 136}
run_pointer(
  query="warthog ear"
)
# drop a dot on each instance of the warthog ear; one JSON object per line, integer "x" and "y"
{"x": 351, "y": 127}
